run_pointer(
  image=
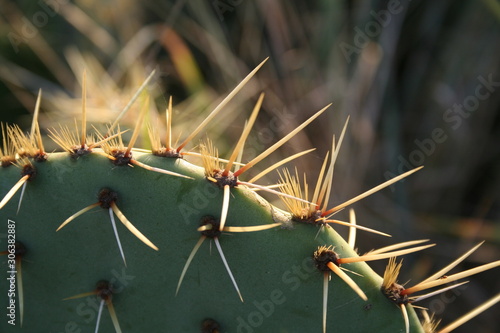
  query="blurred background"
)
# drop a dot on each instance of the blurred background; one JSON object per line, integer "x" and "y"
{"x": 419, "y": 80}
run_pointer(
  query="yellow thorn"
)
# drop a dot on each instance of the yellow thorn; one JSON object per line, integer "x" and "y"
{"x": 318, "y": 182}
{"x": 84, "y": 109}
{"x": 405, "y": 318}
{"x": 137, "y": 129}
{"x": 451, "y": 278}
{"x": 251, "y": 228}
{"x": 469, "y": 315}
{"x": 13, "y": 190}
{"x": 429, "y": 324}
{"x": 150, "y": 168}
{"x": 81, "y": 295}
{"x": 225, "y": 206}
{"x": 266, "y": 189}
{"x": 226, "y": 100}
{"x": 80, "y": 212}
{"x": 168, "y": 115}
{"x": 205, "y": 227}
{"x": 210, "y": 160}
{"x": 391, "y": 273}
{"x": 350, "y": 282}
{"x": 113, "y": 316}
{"x": 329, "y": 176}
{"x": 188, "y": 262}
{"x": 109, "y": 138}
{"x": 35, "y": 126}
{"x": 129, "y": 104}
{"x": 369, "y": 192}
{"x": 131, "y": 227}
{"x": 244, "y": 135}
{"x": 278, "y": 144}
{"x": 351, "y": 240}
{"x": 397, "y": 246}
{"x": 383, "y": 255}
{"x": 354, "y": 226}
{"x": 278, "y": 164}
{"x": 448, "y": 268}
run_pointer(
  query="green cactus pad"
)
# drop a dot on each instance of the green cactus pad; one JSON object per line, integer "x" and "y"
{"x": 274, "y": 269}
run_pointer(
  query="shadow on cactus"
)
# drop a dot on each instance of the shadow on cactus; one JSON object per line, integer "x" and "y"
{"x": 278, "y": 261}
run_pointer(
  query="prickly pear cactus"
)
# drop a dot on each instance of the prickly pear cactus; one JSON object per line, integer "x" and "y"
{"x": 108, "y": 237}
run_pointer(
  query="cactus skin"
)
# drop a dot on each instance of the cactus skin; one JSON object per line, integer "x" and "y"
{"x": 282, "y": 289}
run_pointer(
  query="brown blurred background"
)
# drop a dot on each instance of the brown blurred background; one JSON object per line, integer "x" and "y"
{"x": 420, "y": 81}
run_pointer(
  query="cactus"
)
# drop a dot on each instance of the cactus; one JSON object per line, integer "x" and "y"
{"x": 73, "y": 267}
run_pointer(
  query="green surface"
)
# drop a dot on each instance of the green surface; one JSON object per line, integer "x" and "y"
{"x": 282, "y": 290}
